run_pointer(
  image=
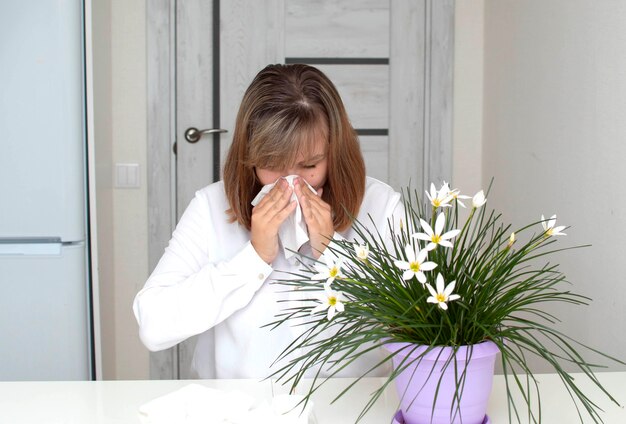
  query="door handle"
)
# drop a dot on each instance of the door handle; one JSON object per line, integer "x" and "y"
{"x": 192, "y": 134}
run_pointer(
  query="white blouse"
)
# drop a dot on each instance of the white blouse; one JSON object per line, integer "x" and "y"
{"x": 210, "y": 277}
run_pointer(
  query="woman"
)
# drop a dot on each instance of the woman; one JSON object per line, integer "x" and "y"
{"x": 225, "y": 253}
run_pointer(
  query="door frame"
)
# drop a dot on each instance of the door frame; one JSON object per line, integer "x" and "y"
{"x": 160, "y": 160}
{"x": 428, "y": 159}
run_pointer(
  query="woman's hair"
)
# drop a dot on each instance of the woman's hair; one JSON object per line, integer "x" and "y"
{"x": 282, "y": 114}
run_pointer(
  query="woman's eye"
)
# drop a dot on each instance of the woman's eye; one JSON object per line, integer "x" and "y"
{"x": 309, "y": 166}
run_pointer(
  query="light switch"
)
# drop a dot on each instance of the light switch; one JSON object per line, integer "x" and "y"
{"x": 127, "y": 175}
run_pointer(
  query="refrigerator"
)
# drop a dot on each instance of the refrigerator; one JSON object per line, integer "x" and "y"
{"x": 45, "y": 307}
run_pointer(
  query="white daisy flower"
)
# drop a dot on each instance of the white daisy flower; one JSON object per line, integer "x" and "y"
{"x": 441, "y": 197}
{"x": 456, "y": 195}
{"x": 442, "y": 295}
{"x": 549, "y": 228}
{"x": 436, "y": 237}
{"x": 415, "y": 266}
{"x": 361, "y": 251}
{"x": 330, "y": 271}
{"x": 330, "y": 300}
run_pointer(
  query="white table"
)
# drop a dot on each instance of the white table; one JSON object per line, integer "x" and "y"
{"x": 108, "y": 402}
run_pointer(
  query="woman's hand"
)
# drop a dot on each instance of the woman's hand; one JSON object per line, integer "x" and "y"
{"x": 267, "y": 217}
{"x": 317, "y": 215}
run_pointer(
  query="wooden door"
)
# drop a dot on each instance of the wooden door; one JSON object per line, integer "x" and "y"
{"x": 390, "y": 60}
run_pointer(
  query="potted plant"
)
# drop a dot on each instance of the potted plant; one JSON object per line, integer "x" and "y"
{"x": 449, "y": 291}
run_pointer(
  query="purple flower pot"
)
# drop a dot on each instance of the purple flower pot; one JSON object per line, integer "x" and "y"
{"x": 433, "y": 380}
{"x": 399, "y": 419}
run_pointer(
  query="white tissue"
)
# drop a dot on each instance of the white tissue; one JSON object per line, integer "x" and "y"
{"x": 194, "y": 404}
{"x": 293, "y": 232}
{"x": 197, "y": 404}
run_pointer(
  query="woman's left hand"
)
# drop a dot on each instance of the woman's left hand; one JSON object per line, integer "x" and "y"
{"x": 317, "y": 216}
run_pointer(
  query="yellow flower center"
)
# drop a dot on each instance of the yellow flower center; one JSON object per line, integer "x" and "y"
{"x": 332, "y": 300}
{"x": 549, "y": 231}
{"x": 415, "y": 266}
{"x": 436, "y": 202}
{"x": 441, "y": 297}
{"x": 436, "y": 238}
{"x": 333, "y": 272}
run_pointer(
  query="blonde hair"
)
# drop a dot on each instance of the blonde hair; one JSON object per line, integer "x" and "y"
{"x": 281, "y": 115}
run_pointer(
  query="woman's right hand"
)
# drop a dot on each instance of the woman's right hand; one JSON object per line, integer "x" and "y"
{"x": 267, "y": 216}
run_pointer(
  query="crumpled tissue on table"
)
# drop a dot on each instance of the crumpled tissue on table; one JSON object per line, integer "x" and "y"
{"x": 197, "y": 404}
{"x": 293, "y": 232}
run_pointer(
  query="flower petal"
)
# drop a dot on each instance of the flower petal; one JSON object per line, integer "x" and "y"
{"x": 331, "y": 313}
{"x": 450, "y": 234}
{"x": 410, "y": 253}
{"x": 318, "y": 308}
{"x": 421, "y": 256}
{"x": 552, "y": 221}
{"x": 421, "y": 277}
{"x": 428, "y": 266}
{"x": 432, "y": 292}
{"x": 407, "y": 275}
{"x": 440, "y": 223}
{"x": 422, "y": 236}
{"x": 440, "y": 283}
{"x": 427, "y": 229}
{"x": 445, "y": 243}
{"x": 443, "y": 306}
{"x": 402, "y": 264}
{"x": 339, "y": 307}
{"x": 449, "y": 288}
{"x": 479, "y": 199}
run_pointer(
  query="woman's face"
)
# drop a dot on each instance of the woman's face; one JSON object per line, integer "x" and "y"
{"x": 312, "y": 167}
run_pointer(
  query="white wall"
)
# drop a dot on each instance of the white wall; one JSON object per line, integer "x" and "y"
{"x": 468, "y": 96}
{"x": 554, "y": 130}
{"x": 128, "y": 24}
{"x": 120, "y": 121}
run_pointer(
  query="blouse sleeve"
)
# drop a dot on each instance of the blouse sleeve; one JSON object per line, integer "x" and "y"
{"x": 188, "y": 293}
{"x": 382, "y": 209}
